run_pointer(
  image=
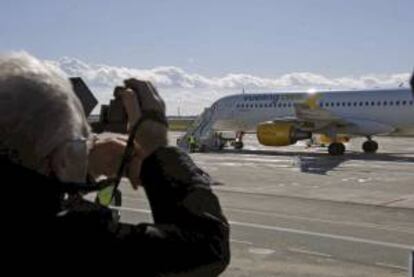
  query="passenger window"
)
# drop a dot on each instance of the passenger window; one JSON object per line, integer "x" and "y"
{"x": 378, "y": 103}
{"x": 355, "y": 104}
{"x": 391, "y": 103}
{"x": 404, "y": 102}
{"x": 411, "y": 102}
{"x": 397, "y": 103}
{"x": 284, "y": 105}
{"x": 372, "y": 103}
{"x": 385, "y": 103}
{"x": 349, "y": 104}
{"x": 343, "y": 104}
{"x": 279, "y": 105}
{"x": 366, "y": 103}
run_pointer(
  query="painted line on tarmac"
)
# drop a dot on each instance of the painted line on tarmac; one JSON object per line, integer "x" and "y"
{"x": 308, "y": 252}
{"x": 391, "y": 266}
{"x": 322, "y": 235}
{"x": 349, "y": 223}
{"x": 145, "y": 211}
{"x": 241, "y": 241}
{"x": 297, "y": 231}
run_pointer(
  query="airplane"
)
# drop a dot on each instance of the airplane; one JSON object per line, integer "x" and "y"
{"x": 281, "y": 119}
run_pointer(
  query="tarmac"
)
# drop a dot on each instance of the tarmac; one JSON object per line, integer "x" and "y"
{"x": 296, "y": 211}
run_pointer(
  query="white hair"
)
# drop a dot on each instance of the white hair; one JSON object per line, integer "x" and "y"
{"x": 41, "y": 118}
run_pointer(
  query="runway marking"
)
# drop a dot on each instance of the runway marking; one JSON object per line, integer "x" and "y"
{"x": 314, "y": 253}
{"x": 297, "y": 231}
{"x": 392, "y": 266}
{"x": 323, "y": 235}
{"x": 362, "y": 225}
{"x": 241, "y": 241}
{"x": 286, "y": 216}
{"x": 145, "y": 211}
{"x": 261, "y": 251}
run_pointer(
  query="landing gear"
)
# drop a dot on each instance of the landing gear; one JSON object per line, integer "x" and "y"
{"x": 219, "y": 141}
{"x": 238, "y": 143}
{"x": 222, "y": 144}
{"x": 370, "y": 146}
{"x": 336, "y": 149}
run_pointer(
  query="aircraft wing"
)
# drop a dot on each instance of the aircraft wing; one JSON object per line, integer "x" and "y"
{"x": 316, "y": 119}
{"x": 313, "y": 114}
{"x": 312, "y": 119}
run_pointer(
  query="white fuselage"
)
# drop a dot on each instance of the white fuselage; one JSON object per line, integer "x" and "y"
{"x": 391, "y": 107}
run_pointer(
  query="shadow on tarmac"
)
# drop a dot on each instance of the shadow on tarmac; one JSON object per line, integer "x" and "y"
{"x": 322, "y": 163}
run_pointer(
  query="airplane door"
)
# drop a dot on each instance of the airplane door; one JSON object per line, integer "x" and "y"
{"x": 232, "y": 107}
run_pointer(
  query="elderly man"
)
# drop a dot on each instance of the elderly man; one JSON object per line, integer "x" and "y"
{"x": 46, "y": 146}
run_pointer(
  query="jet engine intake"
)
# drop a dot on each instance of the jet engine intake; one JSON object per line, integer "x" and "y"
{"x": 280, "y": 134}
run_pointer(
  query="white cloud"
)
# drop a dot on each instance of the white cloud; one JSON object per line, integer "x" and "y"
{"x": 192, "y": 92}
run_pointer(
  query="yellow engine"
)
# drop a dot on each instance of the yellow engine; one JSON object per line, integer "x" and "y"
{"x": 279, "y": 134}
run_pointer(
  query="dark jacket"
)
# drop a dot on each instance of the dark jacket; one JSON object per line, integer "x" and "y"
{"x": 189, "y": 235}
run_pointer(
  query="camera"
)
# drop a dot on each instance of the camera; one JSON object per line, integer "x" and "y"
{"x": 112, "y": 117}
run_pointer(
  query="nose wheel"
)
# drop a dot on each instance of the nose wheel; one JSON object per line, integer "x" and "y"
{"x": 336, "y": 149}
{"x": 370, "y": 146}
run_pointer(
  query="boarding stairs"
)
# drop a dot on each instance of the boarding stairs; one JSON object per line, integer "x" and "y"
{"x": 202, "y": 131}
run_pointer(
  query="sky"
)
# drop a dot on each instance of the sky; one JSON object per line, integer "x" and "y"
{"x": 196, "y": 51}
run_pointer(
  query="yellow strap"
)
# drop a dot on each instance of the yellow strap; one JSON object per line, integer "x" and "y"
{"x": 105, "y": 196}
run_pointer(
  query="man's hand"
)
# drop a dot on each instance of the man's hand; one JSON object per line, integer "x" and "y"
{"x": 106, "y": 155}
{"x": 151, "y": 134}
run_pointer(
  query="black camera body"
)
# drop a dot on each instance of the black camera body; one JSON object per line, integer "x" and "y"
{"x": 112, "y": 117}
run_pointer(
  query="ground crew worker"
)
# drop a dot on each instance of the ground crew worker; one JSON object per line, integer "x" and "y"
{"x": 192, "y": 143}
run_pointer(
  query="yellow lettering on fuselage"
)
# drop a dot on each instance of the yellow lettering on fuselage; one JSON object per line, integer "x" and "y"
{"x": 312, "y": 101}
